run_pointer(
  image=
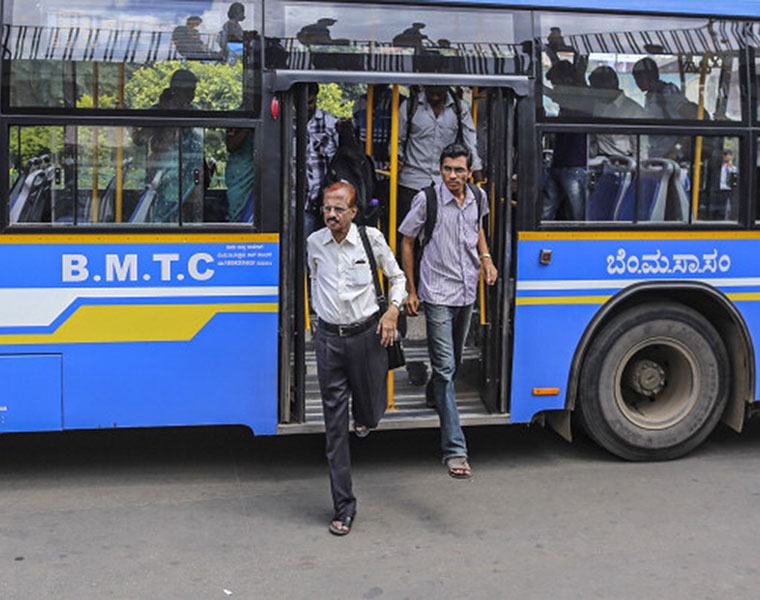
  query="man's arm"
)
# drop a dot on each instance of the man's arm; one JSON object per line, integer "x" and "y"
{"x": 407, "y": 261}
{"x": 397, "y": 292}
{"x": 486, "y": 261}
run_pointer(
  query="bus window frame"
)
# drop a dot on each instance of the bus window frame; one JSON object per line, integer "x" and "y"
{"x": 6, "y": 122}
{"x": 742, "y": 223}
{"x": 743, "y": 54}
{"x": 7, "y": 109}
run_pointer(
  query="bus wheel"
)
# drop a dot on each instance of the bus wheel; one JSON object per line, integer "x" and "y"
{"x": 654, "y": 382}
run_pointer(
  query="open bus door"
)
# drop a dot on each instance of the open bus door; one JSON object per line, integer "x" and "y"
{"x": 494, "y": 302}
{"x": 482, "y": 382}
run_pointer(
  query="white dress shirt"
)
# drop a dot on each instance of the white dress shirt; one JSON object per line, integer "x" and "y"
{"x": 342, "y": 289}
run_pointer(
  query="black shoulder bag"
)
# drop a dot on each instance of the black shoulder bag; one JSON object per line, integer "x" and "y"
{"x": 395, "y": 350}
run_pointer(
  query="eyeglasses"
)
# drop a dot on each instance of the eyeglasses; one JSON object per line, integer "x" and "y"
{"x": 458, "y": 170}
{"x": 338, "y": 210}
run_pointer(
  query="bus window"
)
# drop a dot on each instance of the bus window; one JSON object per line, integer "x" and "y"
{"x": 179, "y": 55}
{"x": 398, "y": 38}
{"x": 626, "y": 67}
{"x": 141, "y": 176}
{"x": 639, "y": 178}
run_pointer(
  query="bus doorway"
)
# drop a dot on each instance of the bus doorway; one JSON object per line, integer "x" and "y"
{"x": 375, "y": 110}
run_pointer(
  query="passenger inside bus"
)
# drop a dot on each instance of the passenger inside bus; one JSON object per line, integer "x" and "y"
{"x": 230, "y": 38}
{"x": 163, "y": 163}
{"x": 187, "y": 40}
{"x": 565, "y": 176}
{"x": 239, "y": 175}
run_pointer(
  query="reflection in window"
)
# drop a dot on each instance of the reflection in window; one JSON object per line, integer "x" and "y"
{"x": 142, "y": 175}
{"x": 631, "y": 178}
{"x": 108, "y": 55}
{"x": 326, "y": 36}
{"x": 639, "y": 67}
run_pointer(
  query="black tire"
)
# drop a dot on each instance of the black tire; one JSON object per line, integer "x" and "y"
{"x": 654, "y": 382}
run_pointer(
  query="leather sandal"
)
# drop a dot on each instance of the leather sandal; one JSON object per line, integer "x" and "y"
{"x": 347, "y": 522}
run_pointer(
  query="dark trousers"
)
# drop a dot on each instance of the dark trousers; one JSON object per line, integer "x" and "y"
{"x": 356, "y": 367}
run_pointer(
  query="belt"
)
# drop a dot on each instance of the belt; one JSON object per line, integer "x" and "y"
{"x": 349, "y": 330}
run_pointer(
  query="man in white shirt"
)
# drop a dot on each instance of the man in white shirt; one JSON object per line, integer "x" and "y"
{"x": 352, "y": 336}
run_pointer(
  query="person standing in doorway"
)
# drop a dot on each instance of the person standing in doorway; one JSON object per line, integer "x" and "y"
{"x": 352, "y": 335}
{"x": 321, "y": 145}
{"x": 438, "y": 119}
{"x": 448, "y": 281}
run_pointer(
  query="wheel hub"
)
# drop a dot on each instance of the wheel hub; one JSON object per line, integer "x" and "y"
{"x": 647, "y": 378}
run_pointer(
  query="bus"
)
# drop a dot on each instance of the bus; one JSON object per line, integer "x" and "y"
{"x": 155, "y": 172}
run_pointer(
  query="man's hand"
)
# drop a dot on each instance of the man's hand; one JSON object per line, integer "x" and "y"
{"x": 387, "y": 326}
{"x": 412, "y": 304}
{"x": 489, "y": 270}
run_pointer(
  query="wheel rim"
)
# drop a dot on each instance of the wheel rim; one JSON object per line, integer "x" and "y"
{"x": 657, "y": 383}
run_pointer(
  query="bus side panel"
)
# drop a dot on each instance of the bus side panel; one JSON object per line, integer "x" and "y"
{"x": 545, "y": 340}
{"x": 151, "y": 333}
{"x": 555, "y": 302}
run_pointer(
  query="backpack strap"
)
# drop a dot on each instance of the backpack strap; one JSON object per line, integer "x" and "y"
{"x": 431, "y": 215}
{"x": 479, "y": 194}
{"x": 458, "y": 111}
{"x": 411, "y": 108}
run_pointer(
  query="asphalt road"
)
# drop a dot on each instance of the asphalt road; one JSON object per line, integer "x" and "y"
{"x": 215, "y": 513}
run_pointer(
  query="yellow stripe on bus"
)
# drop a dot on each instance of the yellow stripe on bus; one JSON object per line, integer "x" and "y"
{"x": 141, "y": 238}
{"x": 533, "y": 301}
{"x": 136, "y": 323}
{"x": 551, "y": 236}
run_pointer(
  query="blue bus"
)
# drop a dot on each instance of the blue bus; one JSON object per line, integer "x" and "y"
{"x": 155, "y": 176}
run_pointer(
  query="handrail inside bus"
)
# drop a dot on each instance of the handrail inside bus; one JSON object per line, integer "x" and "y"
{"x": 284, "y": 80}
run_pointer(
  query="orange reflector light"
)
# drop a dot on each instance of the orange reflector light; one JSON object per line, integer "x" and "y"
{"x": 546, "y": 391}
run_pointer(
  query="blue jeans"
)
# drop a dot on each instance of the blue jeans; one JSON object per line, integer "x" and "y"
{"x": 447, "y": 328}
{"x": 562, "y": 183}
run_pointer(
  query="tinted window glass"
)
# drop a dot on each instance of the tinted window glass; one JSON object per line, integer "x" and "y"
{"x": 639, "y": 178}
{"x": 639, "y": 67}
{"x": 84, "y": 175}
{"x": 324, "y": 36}
{"x": 111, "y": 54}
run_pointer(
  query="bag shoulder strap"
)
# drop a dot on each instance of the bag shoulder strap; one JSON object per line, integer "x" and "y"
{"x": 458, "y": 111}
{"x": 480, "y": 194}
{"x": 431, "y": 214}
{"x": 411, "y": 107}
{"x": 373, "y": 266}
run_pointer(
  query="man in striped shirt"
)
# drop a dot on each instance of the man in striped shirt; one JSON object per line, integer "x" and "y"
{"x": 449, "y": 272}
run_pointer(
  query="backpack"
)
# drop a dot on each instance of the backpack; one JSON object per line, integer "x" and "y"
{"x": 351, "y": 164}
{"x": 412, "y": 104}
{"x": 431, "y": 218}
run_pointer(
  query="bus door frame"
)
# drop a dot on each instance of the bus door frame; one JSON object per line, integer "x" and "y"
{"x": 291, "y": 85}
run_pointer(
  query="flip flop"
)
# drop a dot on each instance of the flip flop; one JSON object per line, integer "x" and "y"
{"x": 458, "y": 467}
{"x": 361, "y": 431}
{"x": 347, "y": 522}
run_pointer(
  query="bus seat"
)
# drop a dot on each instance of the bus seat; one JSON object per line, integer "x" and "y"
{"x": 677, "y": 207}
{"x": 651, "y": 186}
{"x": 142, "y": 210}
{"x": 610, "y": 189}
{"x": 661, "y": 171}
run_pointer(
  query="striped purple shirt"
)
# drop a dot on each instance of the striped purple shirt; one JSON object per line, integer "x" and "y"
{"x": 450, "y": 265}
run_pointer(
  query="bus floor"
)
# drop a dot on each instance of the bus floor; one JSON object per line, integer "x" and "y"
{"x": 409, "y": 409}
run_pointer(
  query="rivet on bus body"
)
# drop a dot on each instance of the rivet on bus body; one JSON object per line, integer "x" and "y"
{"x": 545, "y": 257}
{"x": 274, "y": 108}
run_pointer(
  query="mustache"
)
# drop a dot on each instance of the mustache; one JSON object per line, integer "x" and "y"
{"x": 332, "y": 220}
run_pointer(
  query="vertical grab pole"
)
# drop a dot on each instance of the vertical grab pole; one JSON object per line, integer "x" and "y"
{"x": 95, "y": 143}
{"x": 481, "y": 280}
{"x": 370, "y": 116}
{"x": 393, "y": 206}
{"x": 120, "y": 152}
{"x": 698, "y": 147}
